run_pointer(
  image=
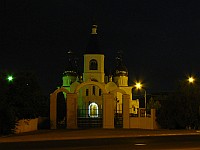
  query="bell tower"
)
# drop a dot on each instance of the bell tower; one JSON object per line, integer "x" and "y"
{"x": 93, "y": 59}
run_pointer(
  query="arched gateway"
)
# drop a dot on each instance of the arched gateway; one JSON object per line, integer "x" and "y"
{"x": 90, "y": 108}
{"x": 72, "y": 103}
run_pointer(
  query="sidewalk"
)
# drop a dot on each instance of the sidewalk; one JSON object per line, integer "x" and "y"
{"x": 44, "y": 135}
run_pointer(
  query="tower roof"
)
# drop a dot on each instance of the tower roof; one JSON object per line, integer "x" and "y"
{"x": 71, "y": 68}
{"x": 120, "y": 69}
{"x": 93, "y": 44}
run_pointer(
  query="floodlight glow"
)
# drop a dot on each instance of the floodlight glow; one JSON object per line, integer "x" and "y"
{"x": 93, "y": 110}
{"x": 138, "y": 85}
{"x": 10, "y": 78}
{"x": 191, "y": 80}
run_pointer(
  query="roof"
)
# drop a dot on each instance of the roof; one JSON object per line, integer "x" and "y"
{"x": 120, "y": 69}
{"x": 93, "y": 44}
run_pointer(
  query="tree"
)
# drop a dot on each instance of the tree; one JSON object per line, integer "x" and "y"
{"x": 153, "y": 104}
{"x": 20, "y": 99}
{"x": 26, "y": 96}
{"x": 181, "y": 109}
{"x": 7, "y": 115}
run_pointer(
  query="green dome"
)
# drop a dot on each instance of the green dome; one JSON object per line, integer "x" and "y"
{"x": 70, "y": 73}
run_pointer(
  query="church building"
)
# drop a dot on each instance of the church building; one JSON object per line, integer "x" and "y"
{"x": 89, "y": 97}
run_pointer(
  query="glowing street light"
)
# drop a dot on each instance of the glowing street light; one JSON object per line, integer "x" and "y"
{"x": 138, "y": 86}
{"x": 191, "y": 79}
{"x": 10, "y": 78}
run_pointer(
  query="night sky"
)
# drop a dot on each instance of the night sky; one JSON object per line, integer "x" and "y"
{"x": 160, "y": 39}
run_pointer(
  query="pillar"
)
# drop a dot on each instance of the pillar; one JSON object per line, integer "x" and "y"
{"x": 53, "y": 111}
{"x": 153, "y": 118}
{"x": 125, "y": 102}
{"x": 108, "y": 111}
{"x": 71, "y": 111}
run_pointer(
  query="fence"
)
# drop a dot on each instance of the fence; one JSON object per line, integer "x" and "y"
{"x": 90, "y": 118}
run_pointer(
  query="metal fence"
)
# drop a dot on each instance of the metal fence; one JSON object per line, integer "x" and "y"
{"x": 87, "y": 119}
{"x": 118, "y": 119}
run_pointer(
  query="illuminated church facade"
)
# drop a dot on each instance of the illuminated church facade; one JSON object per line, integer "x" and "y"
{"x": 89, "y": 96}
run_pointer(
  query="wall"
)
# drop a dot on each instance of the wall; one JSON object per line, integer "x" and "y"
{"x": 26, "y": 125}
{"x": 140, "y": 122}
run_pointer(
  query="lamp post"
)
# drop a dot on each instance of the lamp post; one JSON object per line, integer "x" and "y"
{"x": 191, "y": 80}
{"x": 138, "y": 86}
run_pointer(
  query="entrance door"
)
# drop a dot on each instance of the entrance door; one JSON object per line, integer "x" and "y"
{"x": 92, "y": 117}
{"x": 93, "y": 110}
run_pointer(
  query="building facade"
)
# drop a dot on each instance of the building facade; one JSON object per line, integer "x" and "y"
{"x": 90, "y": 101}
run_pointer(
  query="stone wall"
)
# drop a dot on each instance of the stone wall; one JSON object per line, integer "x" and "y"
{"x": 26, "y": 125}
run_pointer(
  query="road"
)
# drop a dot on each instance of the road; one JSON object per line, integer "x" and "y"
{"x": 183, "y": 142}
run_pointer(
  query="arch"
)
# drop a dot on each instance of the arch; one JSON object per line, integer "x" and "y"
{"x": 101, "y": 86}
{"x": 73, "y": 86}
{"x": 93, "y": 64}
{"x": 53, "y": 106}
{"x": 61, "y": 89}
{"x": 110, "y": 86}
{"x": 118, "y": 90}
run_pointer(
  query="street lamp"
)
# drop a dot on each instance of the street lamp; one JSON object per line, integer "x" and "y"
{"x": 10, "y": 78}
{"x": 191, "y": 79}
{"x": 138, "y": 86}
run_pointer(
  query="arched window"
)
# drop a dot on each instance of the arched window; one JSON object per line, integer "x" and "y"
{"x": 99, "y": 92}
{"x": 93, "y": 110}
{"x": 93, "y": 90}
{"x": 87, "y": 92}
{"x": 93, "y": 64}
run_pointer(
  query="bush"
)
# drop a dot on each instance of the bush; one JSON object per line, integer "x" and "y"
{"x": 7, "y": 118}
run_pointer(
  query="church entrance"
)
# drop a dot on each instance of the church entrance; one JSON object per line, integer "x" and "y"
{"x": 90, "y": 103}
{"x": 93, "y": 110}
{"x": 91, "y": 117}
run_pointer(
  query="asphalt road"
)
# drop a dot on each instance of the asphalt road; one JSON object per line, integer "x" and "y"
{"x": 183, "y": 142}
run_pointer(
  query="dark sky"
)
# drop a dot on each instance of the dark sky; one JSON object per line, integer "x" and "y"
{"x": 160, "y": 39}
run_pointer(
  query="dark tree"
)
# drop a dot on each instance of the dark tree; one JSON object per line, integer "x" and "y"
{"x": 7, "y": 114}
{"x": 21, "y": 99}
{"x": 26, "y": 96}
{"x": 180, "y": 110}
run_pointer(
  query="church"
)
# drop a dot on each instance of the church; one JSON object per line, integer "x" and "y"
{"x": 90, "y": 96}
{"x": 95, "y": 99}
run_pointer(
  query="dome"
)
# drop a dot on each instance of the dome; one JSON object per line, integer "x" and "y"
{"x": 120, "y": 70}
{"x": 69, "y": 73}
{"x": 71, "y": 68}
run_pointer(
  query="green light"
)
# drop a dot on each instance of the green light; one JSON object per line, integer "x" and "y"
{"x": 10, "y": 78}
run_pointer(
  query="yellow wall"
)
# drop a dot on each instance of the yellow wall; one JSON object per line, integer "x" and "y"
{"x": 26, "y": 125}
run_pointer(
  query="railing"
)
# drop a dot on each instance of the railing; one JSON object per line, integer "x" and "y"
{"x": 118, "y": 119}
{"x": 141, "y": 113}
{"x": 89, "y": 120}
